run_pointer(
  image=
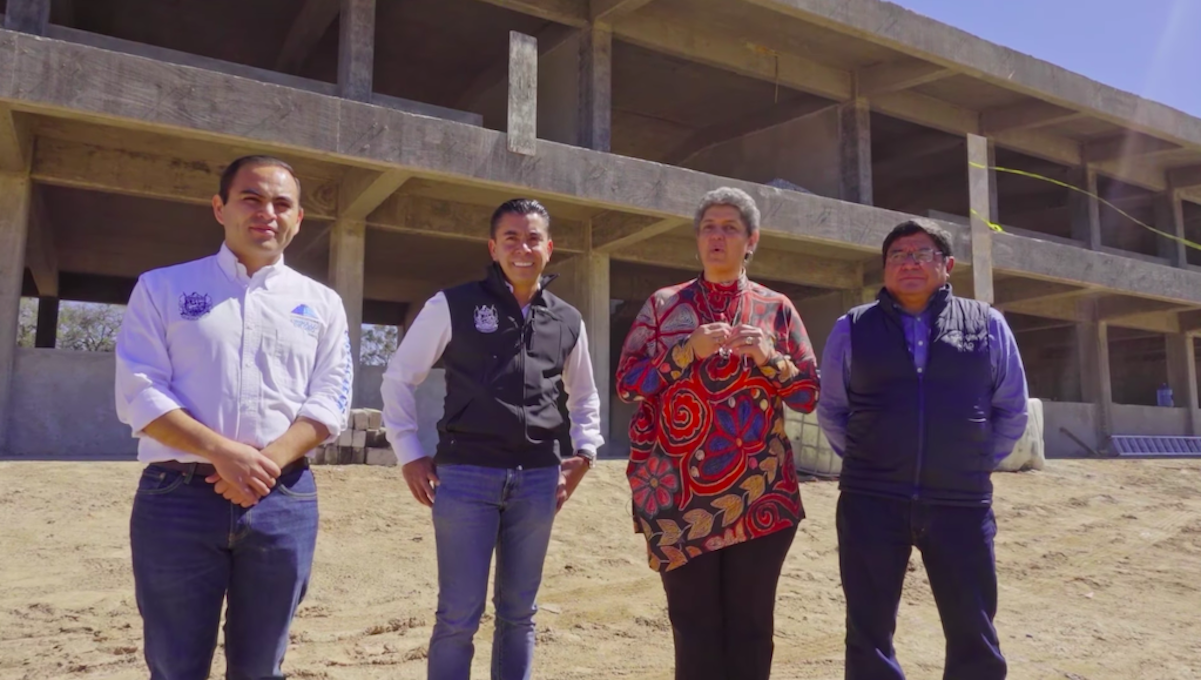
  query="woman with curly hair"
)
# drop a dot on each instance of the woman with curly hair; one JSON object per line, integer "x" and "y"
{"x": 711, "y": 364}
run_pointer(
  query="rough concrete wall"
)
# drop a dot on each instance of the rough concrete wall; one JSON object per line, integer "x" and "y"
{"x": 1076, "y": 418}
{"x": 1150, "y": 420}
{"x": 805, "y": 152}
{"x": 63, "y": 406}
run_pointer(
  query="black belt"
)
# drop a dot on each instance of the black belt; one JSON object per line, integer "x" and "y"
{"x": 206, "y": 469}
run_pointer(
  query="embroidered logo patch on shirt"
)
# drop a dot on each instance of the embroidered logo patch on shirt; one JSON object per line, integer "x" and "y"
{"x": 304, "y": 318}
{"x": 485, "y": 319}
{"x": 192, "y": 306}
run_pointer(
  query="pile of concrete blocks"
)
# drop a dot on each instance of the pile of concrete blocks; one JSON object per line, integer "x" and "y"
{"x": 363, "y": 443}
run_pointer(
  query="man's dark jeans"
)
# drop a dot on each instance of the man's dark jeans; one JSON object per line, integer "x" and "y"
{"x": 192, "y": 549}
{"x": 875, "y": 538}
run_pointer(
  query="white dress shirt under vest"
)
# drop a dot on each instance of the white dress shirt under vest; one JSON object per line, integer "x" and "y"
{"x": 421, "y": 348}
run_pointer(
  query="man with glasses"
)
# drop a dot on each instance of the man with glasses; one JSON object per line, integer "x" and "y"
{"x": 923, "y": 393}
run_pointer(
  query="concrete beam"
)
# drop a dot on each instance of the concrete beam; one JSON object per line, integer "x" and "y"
{"x": 895, "y": 76}
{"x": 1013, "y": 290}
{"x": 613, "y": 231}
{"x": 310, "y": 24}
{"x": 15, "y": 194}
{"x": 356, "y": 49}
{"x": 573, "y": 13}
{"x": 806, "y": 270}
{"x": 137, "y": 174}
{"x": 596, "y": 88}
{"x": 1030, "y": 114}
{"x": 16, "y": 142}
{"x": 1096, "y": 383}
{"x": 729, "y": 130}
{"x": 1125, "y": 145}
{"x": 855, "y": 151}
{"x": 1189, "y": 321}
{"x": 608, "y": 11}
{"x": 263, "y": 75}
{"x": 405, "y": 214}
{"x": 690, "y": 39}
{"x": 523, "y": 94}
{"x": 1111, "y": 307}
{"x": 362, "y": 191}
{"x": 27, "y": 16}
{"x": 982, "y": 197}
{"x": 1186, "y": 177}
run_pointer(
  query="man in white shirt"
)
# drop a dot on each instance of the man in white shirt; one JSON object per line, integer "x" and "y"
{"x": 230, "y": 369}
{"x": 511, "y": 350}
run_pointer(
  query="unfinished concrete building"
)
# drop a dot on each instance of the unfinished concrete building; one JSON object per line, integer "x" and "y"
{"x": 410, "y": 120}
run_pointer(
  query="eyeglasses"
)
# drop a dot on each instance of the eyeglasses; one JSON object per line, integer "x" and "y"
{"x": 920, "y": 256}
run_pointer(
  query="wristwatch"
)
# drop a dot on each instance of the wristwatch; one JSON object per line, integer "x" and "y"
{"x": 587, "y": 455}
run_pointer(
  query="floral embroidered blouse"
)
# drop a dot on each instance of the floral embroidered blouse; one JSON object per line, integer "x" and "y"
{"x": 710, "y": 465}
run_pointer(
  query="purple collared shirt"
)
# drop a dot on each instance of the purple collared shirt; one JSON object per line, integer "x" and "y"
{"x": 1009, "y": 379}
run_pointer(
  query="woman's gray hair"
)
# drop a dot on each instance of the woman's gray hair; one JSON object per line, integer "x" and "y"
{"x": 735, "y": 198}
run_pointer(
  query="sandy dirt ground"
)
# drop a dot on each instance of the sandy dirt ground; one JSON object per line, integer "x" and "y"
{"x": 1100, "y": 568}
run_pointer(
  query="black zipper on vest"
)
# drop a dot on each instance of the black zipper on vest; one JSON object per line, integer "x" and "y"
{"x": 921, "y": 416}
{"x": 526, "y": 332}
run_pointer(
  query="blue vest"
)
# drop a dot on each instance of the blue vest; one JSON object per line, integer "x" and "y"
{"x": 922, "y": 436}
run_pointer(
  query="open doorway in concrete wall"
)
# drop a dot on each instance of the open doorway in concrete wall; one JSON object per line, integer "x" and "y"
{"x": 919, "y": 170}
{"x": 1119, "y": 231}
{"x": 1030, "y": 204}
{"x": 1137, "y": 365}
{"x": 1049, "y": 355}
{"x": 1192, "y": 231}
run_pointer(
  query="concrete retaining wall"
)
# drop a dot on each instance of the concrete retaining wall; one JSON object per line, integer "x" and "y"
{"x": 63, "y": 407}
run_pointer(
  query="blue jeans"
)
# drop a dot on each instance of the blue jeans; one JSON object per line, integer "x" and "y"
{"x": 192, "y": 549}
{"x": 476, "y": 510}
{"x": 875, "y": 538}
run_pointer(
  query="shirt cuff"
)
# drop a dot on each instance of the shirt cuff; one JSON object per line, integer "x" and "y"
{"x": 326, "y": 416}
{"x": 408, "y": 449}
{"x": 150, "y": 405}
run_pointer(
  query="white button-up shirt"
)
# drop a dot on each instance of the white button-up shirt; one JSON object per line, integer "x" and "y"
{"x": 421, "y": 348}
{"x": 244, "y": 355}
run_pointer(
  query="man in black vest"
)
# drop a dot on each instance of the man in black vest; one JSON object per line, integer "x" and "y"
{"x": 510, "y": 349}
{"x": 923, "y": 393}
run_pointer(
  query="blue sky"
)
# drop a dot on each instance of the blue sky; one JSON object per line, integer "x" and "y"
{"x": 1149, "y": 47}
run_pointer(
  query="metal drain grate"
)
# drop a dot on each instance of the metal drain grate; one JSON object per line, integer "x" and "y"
{"x": 1138, "y": 445}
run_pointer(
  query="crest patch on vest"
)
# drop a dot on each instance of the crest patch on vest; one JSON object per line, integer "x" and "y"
{"x": 192, "y": 306}
{"x": 485, "y": 319}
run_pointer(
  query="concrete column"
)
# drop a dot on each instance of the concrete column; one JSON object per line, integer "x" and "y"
{"x": 27, "y": 16}
{"x": 356, "y": 49}
{"x": 15, "y": 197}
{"x": 596, "y": 88}
{"x": 1092, "y": 342}
{"x": 584, "y": 283}
{"x": 1169, "y": 217}
{"x": 1086, "y": 209}
{"x": 523, "y": 94}
{"x": 1182, "y": 377}
{"x": 347, "y": 245}
{"x": 982, "y": 196}
{"x": 855, "y": 144}
{"x": 47, "y": 333}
